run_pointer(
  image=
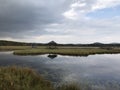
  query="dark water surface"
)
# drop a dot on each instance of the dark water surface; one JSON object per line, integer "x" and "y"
{"x": 99, "y": 70}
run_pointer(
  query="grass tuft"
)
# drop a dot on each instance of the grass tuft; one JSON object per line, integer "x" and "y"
{"x": 16, "y": 78}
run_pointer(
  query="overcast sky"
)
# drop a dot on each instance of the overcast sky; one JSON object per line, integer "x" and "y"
{"x": 64, "y": 21}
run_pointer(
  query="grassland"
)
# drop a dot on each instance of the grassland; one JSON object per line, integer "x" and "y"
{"x": 67, "y": 51}
{"x": 73, "y": 51}
{"x": 12, "y": 48}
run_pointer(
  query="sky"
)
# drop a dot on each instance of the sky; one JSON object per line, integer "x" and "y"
{"x": 63, "y": 21}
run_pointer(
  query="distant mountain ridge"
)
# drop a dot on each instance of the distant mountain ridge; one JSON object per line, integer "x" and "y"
{"x": 96, "y": 44}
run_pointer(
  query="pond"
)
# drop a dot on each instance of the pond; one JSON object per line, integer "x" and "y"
{"x": 100, "y": 71}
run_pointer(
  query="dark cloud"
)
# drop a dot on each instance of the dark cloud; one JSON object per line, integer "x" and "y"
{"x": 24, "y": 16}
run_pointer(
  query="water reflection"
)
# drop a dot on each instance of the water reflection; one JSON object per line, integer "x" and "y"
{"x": 52, "y": 56}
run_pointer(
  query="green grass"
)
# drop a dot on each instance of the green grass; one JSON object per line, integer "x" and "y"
{"x": 16, "y": 78}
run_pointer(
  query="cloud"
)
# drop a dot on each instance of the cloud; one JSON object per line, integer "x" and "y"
{"x": 81, "y": 7}
{"x": 101, "y": 4}
{"x": 28, "y": 15}
{"x": 63, "y": 21}
{"x": 73, "y": 12}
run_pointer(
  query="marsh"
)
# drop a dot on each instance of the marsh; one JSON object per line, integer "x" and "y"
{"x": 98, "y": 71}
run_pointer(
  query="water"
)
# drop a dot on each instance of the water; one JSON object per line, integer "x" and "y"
{"x": 97, "y": 70}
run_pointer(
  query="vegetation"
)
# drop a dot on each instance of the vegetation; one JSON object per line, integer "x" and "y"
{"x": 62, "y": 50}
{"x": 12, "y": 48}
{"x": 21, "y": 48}
{"x": 73, "y": 86}
{"x": 16, "y": 78}
{"x": 69, "y": 87}
{"x": 19, "y": 78}
{"x": 67, "y": 51}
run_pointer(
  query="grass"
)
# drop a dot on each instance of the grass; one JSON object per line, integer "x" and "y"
{"x": 73, "y": 86}
{"x": 73, "y": 51}
{"x": 16, "y": 78}
{"x": 67, "y": 51}
{"x": 11, "y": 48}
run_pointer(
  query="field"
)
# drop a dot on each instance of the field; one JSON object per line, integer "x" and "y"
{"x": 73, "y": 51}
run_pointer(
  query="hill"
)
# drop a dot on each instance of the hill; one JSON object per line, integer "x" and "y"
{"x": 96, "y": 44}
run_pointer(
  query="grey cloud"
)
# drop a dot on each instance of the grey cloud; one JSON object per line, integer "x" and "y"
{"x": 33, "y": 18}
{"x": 24, "y": 16}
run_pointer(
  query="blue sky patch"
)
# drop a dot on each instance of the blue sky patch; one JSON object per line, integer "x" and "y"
{"x": 105, "y": 13}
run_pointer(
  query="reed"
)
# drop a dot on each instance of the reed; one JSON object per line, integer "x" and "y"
{"x": 67, "y": 51}
{"x": 17, "y": 78}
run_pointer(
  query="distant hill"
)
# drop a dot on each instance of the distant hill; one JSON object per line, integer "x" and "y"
{"x": 52, "y": 43}
{"x": 96, "y": 44}
{"x": 12, "y": 43}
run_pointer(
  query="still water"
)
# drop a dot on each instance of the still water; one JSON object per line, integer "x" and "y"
{"x": 98, "y": 70}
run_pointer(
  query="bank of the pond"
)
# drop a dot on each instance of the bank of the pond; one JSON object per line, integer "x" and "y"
{"x": 67, "y": 51}
{"x": 17, "y": 78}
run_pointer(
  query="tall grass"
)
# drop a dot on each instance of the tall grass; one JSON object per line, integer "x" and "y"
{"x": 16, "y": 78}
{"x": 74, "y": 86}
{"x": 67, "y": 51}
{"x": 69, "y": 87}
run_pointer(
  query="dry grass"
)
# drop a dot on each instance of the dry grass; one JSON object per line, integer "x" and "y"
{"x": 67, "y": 51}
{"x": 16, "y": 78}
